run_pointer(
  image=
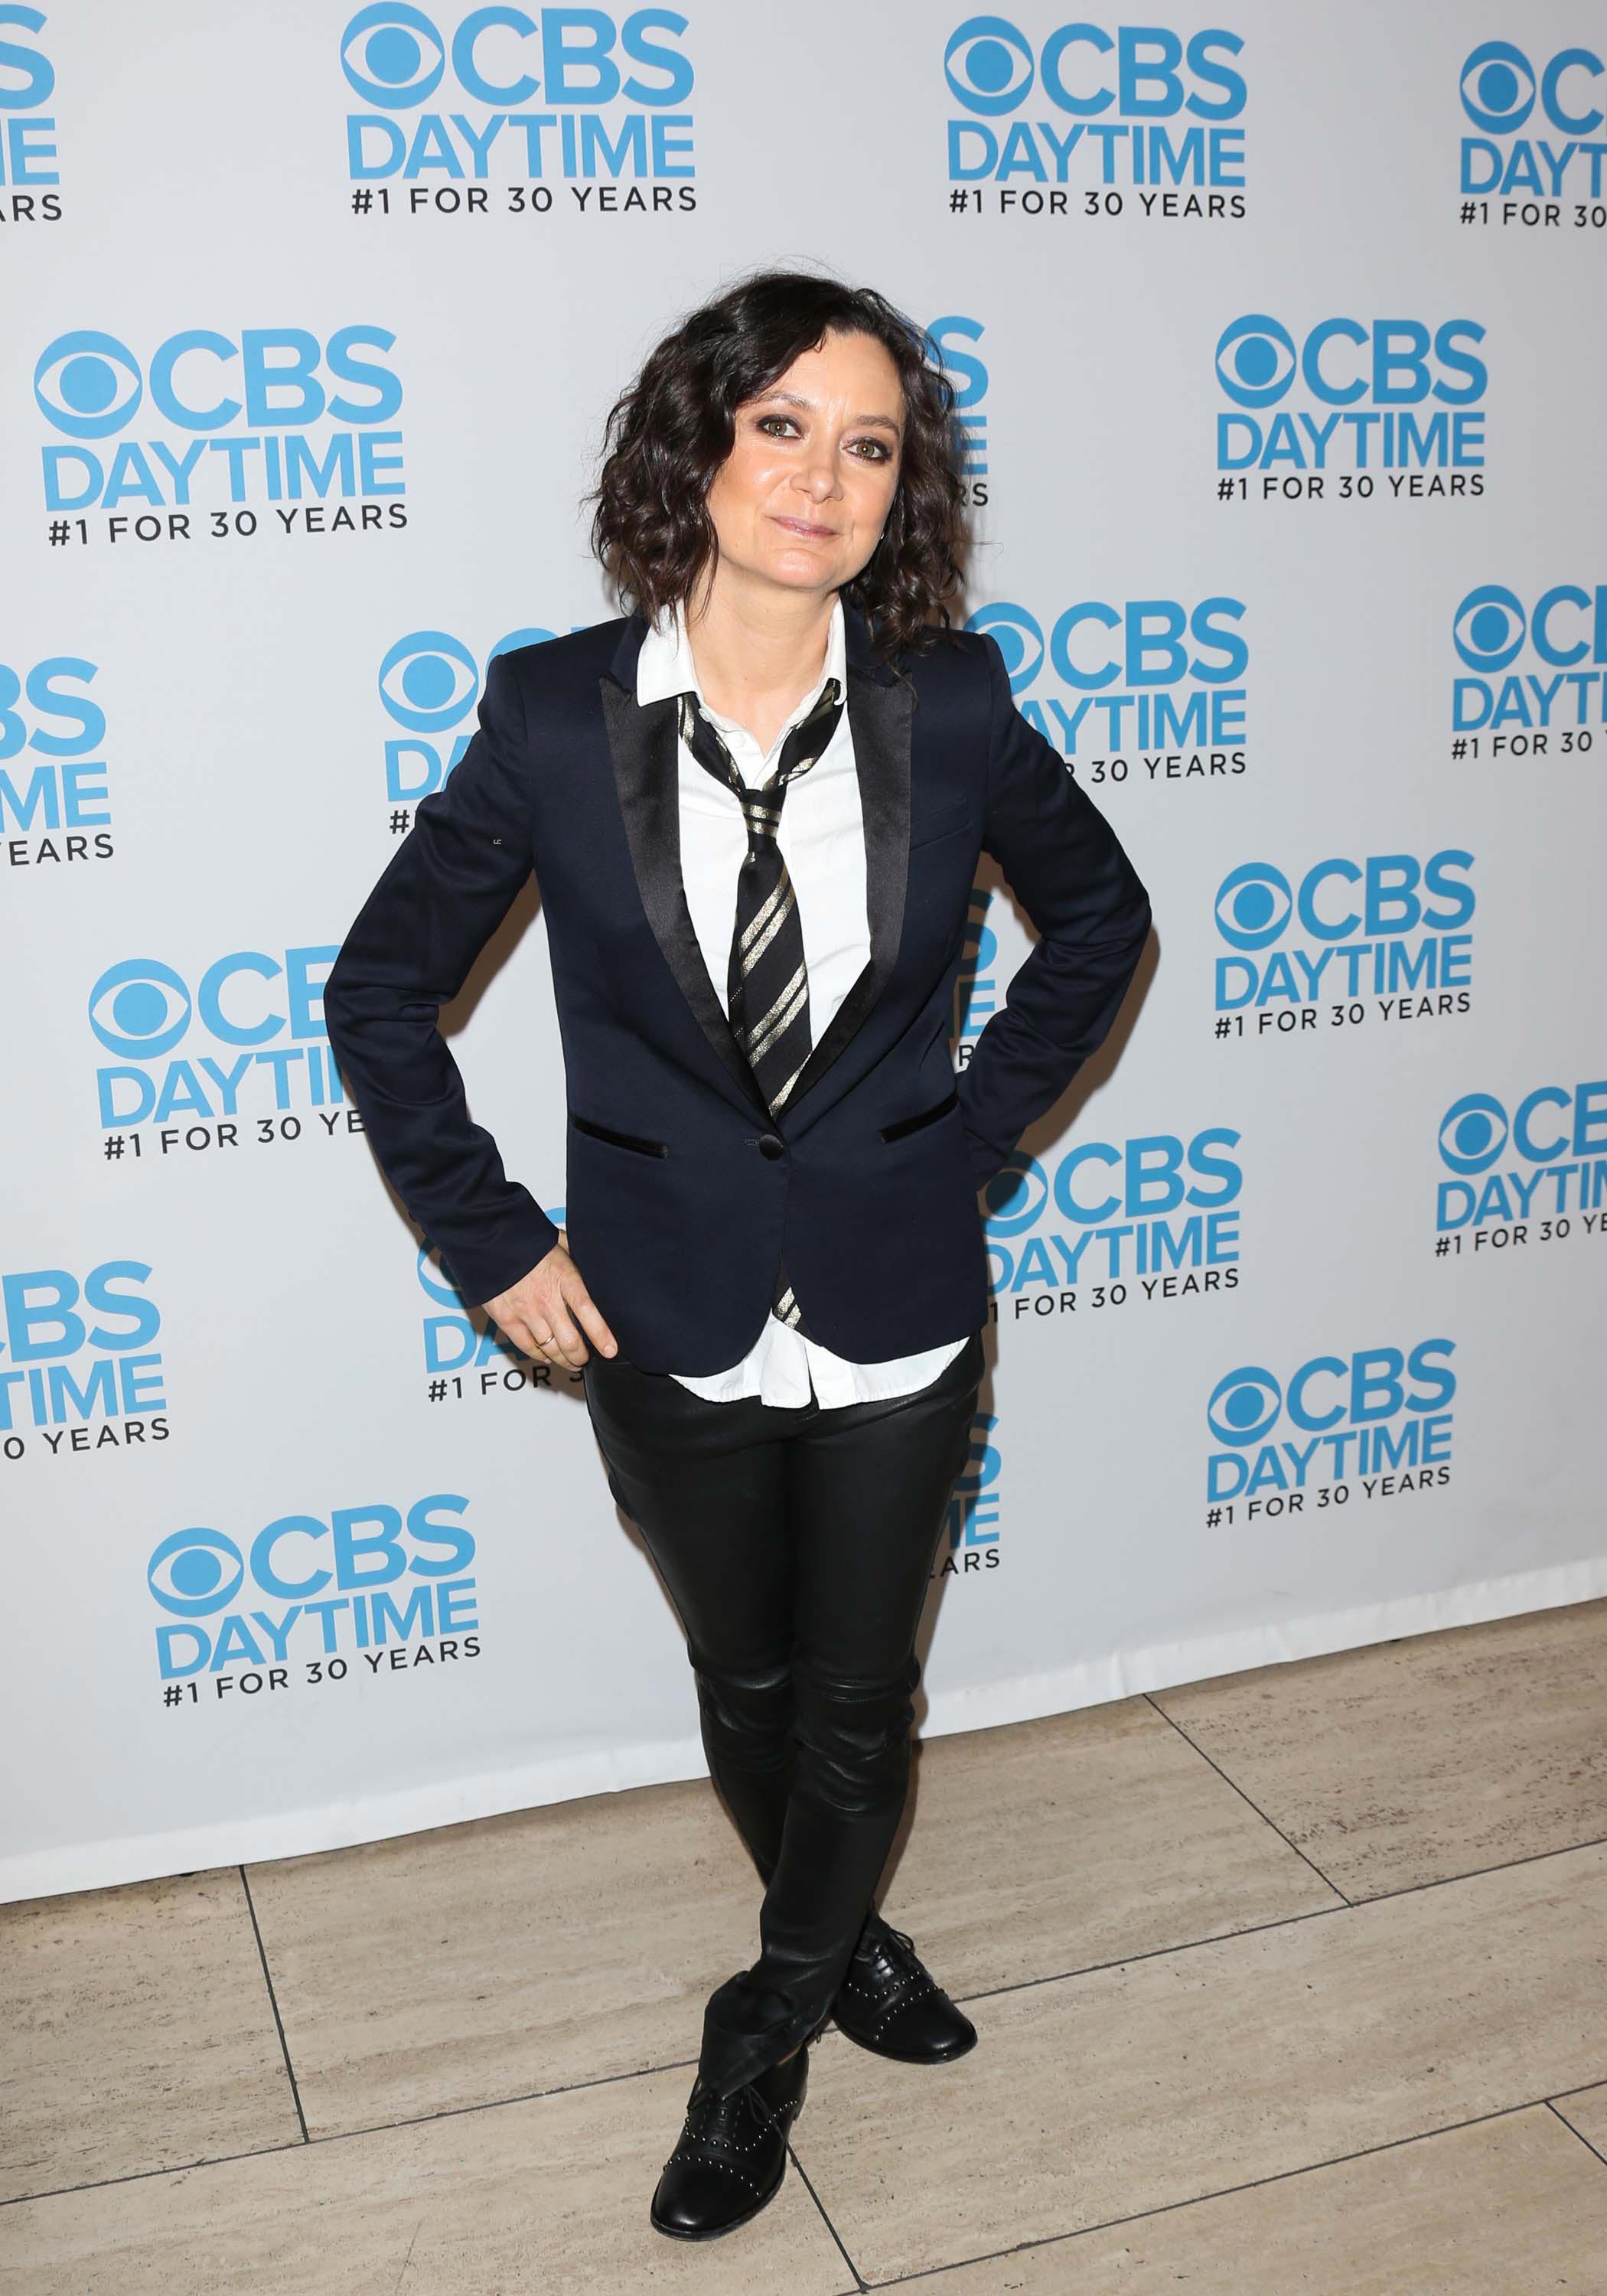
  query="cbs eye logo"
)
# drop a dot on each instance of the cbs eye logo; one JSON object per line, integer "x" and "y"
{"x": 1017, "y": 1197}
{"x": 1245, "y": 1407}
{"x": 1546, "y": 1124}
{"x": 991, "y": 69}
{"x": 989, "y": 66}
{"x": 1472, "y": 1133}
{"x": 1365, "y": 1387}
{"x": 1499, "y": 87}
{"x": 139, "y": 1008}
{"x": 1135, "y": 643}
{"x": 1141, "y": 1178}
{"x": 1254, "y": 903}
{"x": 429, "y": 681}
{"x": 193, "y": 1572}
{"x": 1019, "y": 638}
{"x": 395, "y": 58}
{"x": 392, "y": 55}
{"x": 88, "y": 385}
{"x": 1490, "y": 627}
{"x": 1257, "y": 360}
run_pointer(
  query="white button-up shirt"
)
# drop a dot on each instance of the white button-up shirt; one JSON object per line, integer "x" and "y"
{"x": 822, "y": 839}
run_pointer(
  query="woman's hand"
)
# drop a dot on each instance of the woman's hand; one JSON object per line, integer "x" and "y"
{"x": 541, "y": 1311}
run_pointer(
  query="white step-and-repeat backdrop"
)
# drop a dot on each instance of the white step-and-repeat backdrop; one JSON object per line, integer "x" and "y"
{"x": 1280, "y": 340}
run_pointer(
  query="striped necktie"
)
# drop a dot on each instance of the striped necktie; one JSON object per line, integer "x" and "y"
{"x": 767, "y": 981}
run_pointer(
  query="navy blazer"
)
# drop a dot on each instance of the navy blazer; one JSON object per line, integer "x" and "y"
{"x": 682, "y": 1191}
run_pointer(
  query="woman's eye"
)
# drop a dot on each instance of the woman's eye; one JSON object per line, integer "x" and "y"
{"x": 764, "y": 422}
{"x": 881, "y": 452}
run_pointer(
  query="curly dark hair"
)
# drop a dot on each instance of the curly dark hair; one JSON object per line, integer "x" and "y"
{"x": 668, "y": 433}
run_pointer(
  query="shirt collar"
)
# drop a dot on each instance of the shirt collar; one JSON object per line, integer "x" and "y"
{"x": 665, "y": 664}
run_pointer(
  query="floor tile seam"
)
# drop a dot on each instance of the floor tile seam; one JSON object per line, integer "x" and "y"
{"x": 1351, "y": 1906}
{"x": 642, "y": 2072}
{"x": 1150, "y": 1953}
{"x": 1278, "y": 1922}
{"x": 1194, "y": 1746}
{"x": 1553, "y": 2106}
{"x": 1498, "y": 1866}
{"x": 267, "y": 1978}
{"x": 1476, "y": 1873}
{"x": 993, "y": 1992}
{"x": 1022, "y": 1985}
{"x": 312, "y": 2141}
{"x": 1200, "y": 2200}
{"x": 412, "y": 2244}
{"x": 860, "y": 2283}
{"x": 537, "y": 2097}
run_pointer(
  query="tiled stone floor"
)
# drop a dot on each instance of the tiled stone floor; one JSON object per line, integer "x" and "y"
{"x": 1290, "y": 1981}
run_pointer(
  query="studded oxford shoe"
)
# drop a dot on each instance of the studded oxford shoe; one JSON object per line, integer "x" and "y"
{"x": 732, "y": 2153}
{"x": 889, "y": 2003}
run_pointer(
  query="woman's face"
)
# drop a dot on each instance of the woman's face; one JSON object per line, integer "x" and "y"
{"x": 801, "y": 499}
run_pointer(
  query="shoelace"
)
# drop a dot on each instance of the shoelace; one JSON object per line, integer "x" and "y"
{"x": 718, "y": 2121}
{"x": 902, "y": 1938}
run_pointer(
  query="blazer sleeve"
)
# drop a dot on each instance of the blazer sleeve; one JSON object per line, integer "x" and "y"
{"x": 445, "y": 890}
{"x": 1064, "y": 861}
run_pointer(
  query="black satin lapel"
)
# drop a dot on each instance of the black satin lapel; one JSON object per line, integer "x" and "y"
{"x": 643, "y": 743}
{"x": 879, "y": 718}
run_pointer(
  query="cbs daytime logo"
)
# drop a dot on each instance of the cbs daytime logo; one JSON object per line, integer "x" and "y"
{"x": 79, "y": 1369}
{"x": 969, "y": 1541}
{"x": 1383, "y": 934}
{"x": 428, "y": 685}
{"x": 1528, "y": 1171}
{"x": 593, "y": 99}
{"x": 1380, "y": 1417}
{"x": 1146, "y": 689}
{"x": 466, "y": 1357}
{"x": 948, "y": 339}
{"x": 28, "y": 135}
{"x": 268, "y": 431}
{"x": 1536, "y": 681}
{"x": 1089, "y": 120}
{"x": 1388, "y": 405}
{"x": 1151, "y": 1219}
{"x": 239, "y": 1053}
{"x": 52, "y": 787}
{"x": 1559, "y": 102}
{"x": 318, "y": 1593}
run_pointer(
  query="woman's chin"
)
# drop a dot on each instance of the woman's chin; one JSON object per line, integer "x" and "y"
{"x": 802, "y": 569}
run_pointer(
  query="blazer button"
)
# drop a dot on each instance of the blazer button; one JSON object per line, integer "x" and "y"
{"x": 770, "y": 1146}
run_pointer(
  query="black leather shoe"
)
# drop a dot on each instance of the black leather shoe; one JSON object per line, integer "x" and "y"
{"x": 888, "y": 2001}
{"x": 731, "y": 2154}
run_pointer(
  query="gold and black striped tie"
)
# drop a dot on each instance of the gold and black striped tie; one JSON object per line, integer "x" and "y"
{"x": 767, "y": 982}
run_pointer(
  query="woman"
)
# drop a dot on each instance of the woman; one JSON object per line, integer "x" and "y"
{"x": 754, "y": 806}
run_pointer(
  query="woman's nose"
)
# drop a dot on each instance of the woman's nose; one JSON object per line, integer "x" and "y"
{"x": 819, "y": 477}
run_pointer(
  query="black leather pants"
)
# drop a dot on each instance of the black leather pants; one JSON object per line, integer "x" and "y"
{"x": 796, "y": 1543}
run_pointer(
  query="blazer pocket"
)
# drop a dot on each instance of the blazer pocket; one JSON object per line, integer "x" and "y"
{"x": 942, "y": 823}
{"x": 635, "y": 1140}
{"x": 951, "y": 1099}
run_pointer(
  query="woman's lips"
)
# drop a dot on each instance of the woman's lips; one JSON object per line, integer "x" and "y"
{"x": 802, "y": 526}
